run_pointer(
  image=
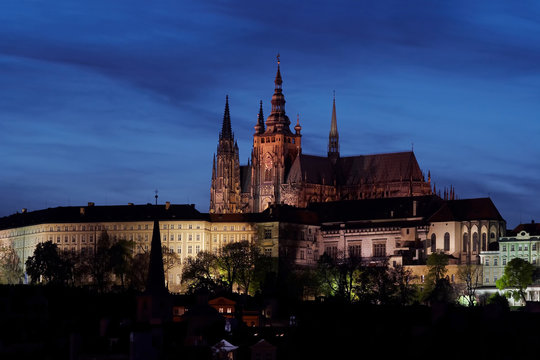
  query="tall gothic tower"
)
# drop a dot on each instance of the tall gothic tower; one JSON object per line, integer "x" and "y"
{"x": 333, "y": 137}
{"x": 225, "y": 188}
{"x": 274, "y": 149}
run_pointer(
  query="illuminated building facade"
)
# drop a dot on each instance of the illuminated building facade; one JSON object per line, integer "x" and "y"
{"x": 279, "y": 173}
{"x": 522, "y": 242}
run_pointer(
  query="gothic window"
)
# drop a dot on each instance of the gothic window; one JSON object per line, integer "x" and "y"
{"x": 484, "y": 242}
{"x": 475, "y": 241}
{"x": 267, "y": 175}
{"x": 465, "y": 242}
{"x": 446, "y": 241}
{"x": 433, "y": 243}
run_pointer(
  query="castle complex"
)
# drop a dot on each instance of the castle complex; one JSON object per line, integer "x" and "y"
{"x": 279, "y": 173}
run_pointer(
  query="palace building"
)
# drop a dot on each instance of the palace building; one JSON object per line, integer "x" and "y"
{"x": 279, "y": 173}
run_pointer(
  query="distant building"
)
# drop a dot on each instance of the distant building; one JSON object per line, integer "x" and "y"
{"x": 523, "y": 242}
{"x": 279, "y": 173}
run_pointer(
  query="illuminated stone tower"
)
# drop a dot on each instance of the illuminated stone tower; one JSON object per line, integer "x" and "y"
{"x": 225, "y": 188}
{"x": 275, "y": 148}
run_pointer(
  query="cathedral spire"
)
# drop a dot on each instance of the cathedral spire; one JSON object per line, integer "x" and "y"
{"x": 226, "y": 130}
{"x": 278, "y": 121}
{"x": 333, "y": 137}
{"x": 259, "y": 128}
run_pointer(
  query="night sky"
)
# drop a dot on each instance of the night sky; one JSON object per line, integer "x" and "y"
{"x": 107, "y": 101}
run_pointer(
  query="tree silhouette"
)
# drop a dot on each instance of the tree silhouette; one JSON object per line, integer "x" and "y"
{"x": 47, "y": 265}
{"x": 518, "y": 274}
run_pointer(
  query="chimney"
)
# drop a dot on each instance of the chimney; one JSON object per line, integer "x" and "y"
{"x": 90, "y": 203}
{"x": 167, "y": 205}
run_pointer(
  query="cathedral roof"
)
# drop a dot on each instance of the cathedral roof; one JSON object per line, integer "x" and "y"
{"x": 354, "y": 170}
{"x": 389, "y": 167}
{"x": 311, "y": 169}
{"x": 467, "y": 209}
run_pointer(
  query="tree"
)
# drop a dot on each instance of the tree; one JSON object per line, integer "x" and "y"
{"x": 10, "y": 266}
{"x": 518, "y": 274}
{"x": 237, "y": 261}
{"x": 437, "y": 286}
{"x": 471, "y": 276}
{"x": 201, "y": 272}
{"x": 121, "y": 259}
{"x": 404, "y": 291}
{"x": 339, "y": 276}
{"x": 99, "y": 262}
{"x": 47, "y": 265}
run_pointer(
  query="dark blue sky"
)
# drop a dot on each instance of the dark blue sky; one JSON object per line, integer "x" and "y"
{"x": 106, "y": 101}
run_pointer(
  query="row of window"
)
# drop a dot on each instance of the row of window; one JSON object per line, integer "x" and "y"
{"x": 379, "y": 250}
{"x": 520, "y": 247}
{"x": 495, "y": 261}
{"x": 115, "y": 227}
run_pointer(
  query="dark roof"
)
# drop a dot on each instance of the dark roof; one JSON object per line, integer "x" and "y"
{"x": 353, "y": 170}
{"x": 92, "y": 213}
{"x": 531, "y": 228}
{"x": 311, "y": 169}
{"x": 467, "y": 209}
{"x": 377, "y": 209}
{"x": 290, "y": 214}
{"x": 390, "y": 167}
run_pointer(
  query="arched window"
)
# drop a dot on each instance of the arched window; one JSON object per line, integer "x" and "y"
{"x": 492, "y": 235}
{"x": 433, "y": 243}
{"x": 484, "y": 242}
{"x": 465, "y": 242}
{"x": 446, "y": 241}
{"x": 267, "y": 175}
{"x": 475, "y": 242}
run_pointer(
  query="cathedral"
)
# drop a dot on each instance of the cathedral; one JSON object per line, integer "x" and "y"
{"x": 279, "y": 173}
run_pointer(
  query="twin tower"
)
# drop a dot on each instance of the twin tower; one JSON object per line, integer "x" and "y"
{"x": 279, "y": 173}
